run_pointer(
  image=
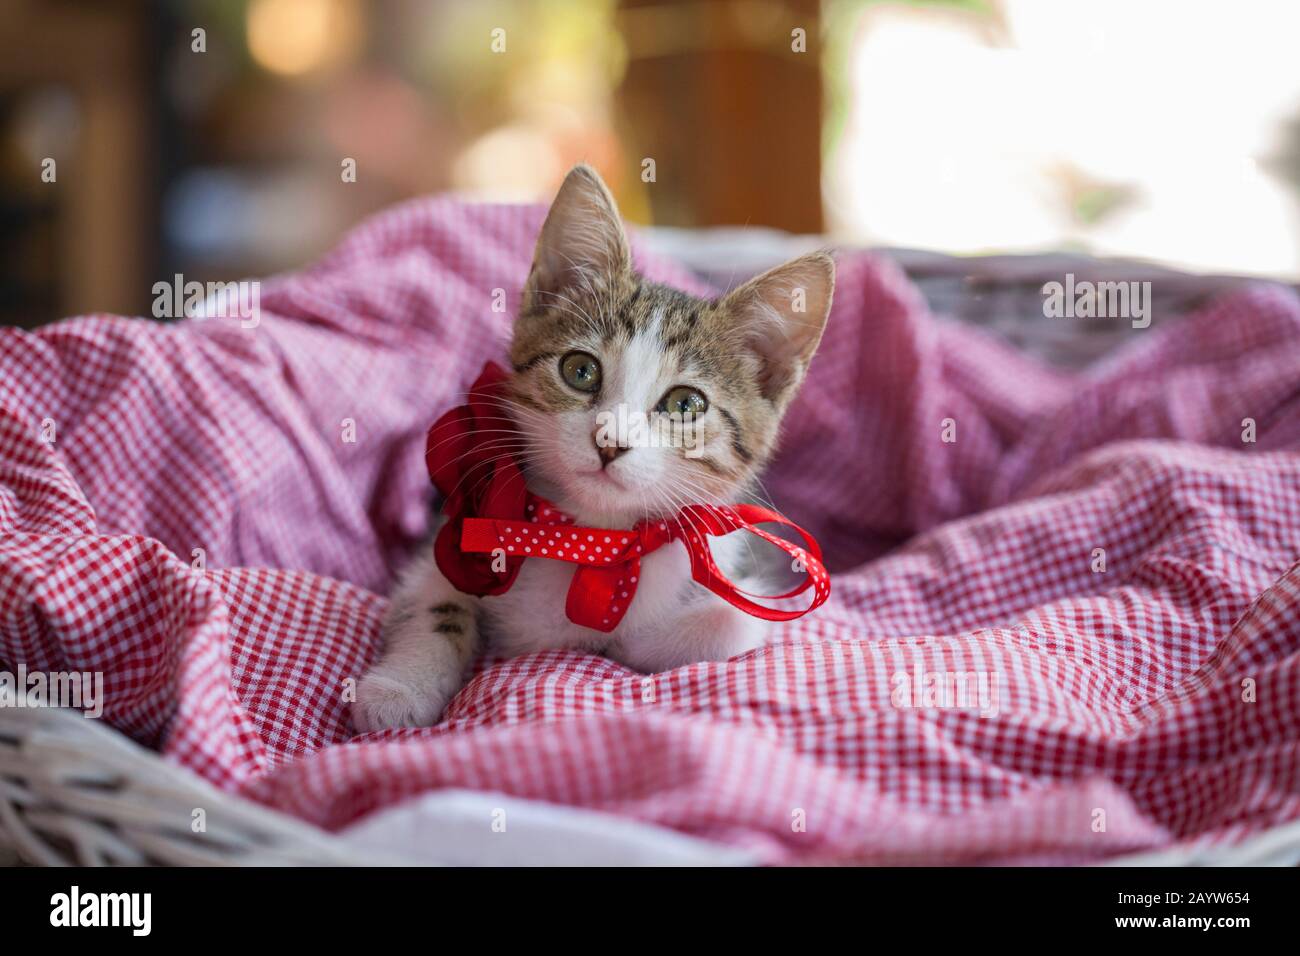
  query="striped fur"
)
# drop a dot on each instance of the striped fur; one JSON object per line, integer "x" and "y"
{"x": 745, "y": 352}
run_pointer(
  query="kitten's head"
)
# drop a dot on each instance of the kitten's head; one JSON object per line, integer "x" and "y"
{"x": 635, "y": 399}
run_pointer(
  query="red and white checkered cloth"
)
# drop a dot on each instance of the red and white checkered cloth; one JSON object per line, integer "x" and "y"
{"x": 201, "y": 531}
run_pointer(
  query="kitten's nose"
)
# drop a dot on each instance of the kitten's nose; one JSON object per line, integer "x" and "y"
{"x": 608, "y": 452}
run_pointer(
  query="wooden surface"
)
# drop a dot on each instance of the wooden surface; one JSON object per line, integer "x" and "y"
{"x": 730, "y": 114}
{"x": 100, "y": 206}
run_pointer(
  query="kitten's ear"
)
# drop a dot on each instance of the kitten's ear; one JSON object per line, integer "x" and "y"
{"x": 780, "y": 315}
{"x": 582, "y": 244}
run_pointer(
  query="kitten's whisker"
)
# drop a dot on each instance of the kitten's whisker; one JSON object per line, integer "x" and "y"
{"x": 507, "y": 406}
{"x": 676, "y": 512}
{"x": 713, "y": 498}
{"x": 487, "y": 466}
{"x": 520, "y": 410}
{"x": 510, "y": 434}
{"x": 492, "y": 444}
{"x": 477, "y": 431}
{"x": 764, "y": 497}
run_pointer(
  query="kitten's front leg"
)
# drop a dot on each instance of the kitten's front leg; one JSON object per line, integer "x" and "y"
{"x": 707, "y": 630}
{"x": 429, "y": 635}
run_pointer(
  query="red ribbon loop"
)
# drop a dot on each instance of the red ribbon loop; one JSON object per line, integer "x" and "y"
{"x": 719, "y": 521}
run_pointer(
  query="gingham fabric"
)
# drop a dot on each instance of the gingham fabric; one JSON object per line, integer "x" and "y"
{"x": 211, "y": 515}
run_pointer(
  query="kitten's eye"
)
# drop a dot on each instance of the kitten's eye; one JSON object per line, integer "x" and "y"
{"x": 581, "y": 371}
{"x": 684, "y": 400}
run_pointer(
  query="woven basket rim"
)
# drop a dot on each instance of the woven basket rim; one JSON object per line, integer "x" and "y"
{"x": 75, "y": 791}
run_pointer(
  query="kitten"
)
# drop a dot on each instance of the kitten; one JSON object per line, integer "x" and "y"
{"x": 592, "y": 336}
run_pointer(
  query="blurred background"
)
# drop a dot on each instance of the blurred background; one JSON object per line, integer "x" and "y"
{"x": 213, "y": 138}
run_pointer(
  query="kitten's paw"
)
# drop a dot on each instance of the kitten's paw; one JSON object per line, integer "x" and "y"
{"x": 385, "y": 702}
{"x": 715, "y": 632}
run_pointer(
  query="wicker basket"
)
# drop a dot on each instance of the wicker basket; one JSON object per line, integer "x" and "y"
{"x": 74, "y": 791}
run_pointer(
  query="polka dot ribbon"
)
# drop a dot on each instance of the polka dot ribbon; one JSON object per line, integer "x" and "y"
{"x": 609, "y": 561}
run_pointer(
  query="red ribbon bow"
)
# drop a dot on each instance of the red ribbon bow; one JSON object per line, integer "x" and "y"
{"x": 492, "y": 515}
